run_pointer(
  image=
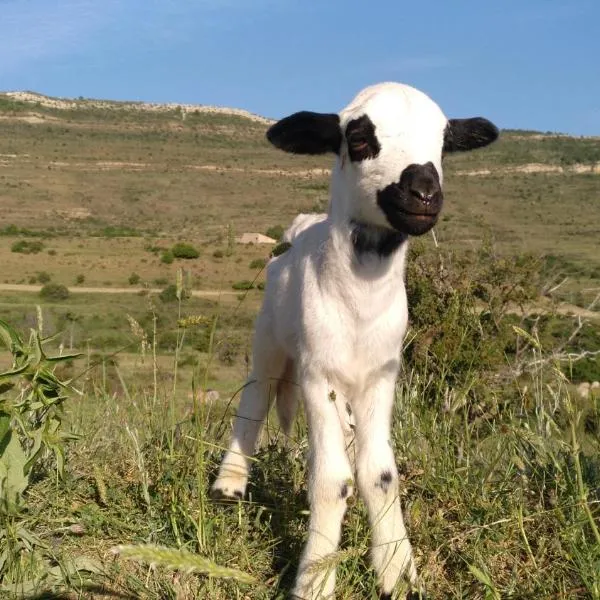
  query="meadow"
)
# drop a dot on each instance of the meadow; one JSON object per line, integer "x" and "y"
{"x": 498, "y": 452}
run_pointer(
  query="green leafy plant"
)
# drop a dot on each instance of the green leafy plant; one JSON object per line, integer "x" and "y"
{"x": 32, "y": 440}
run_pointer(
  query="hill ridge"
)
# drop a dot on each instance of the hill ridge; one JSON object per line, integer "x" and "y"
{"x": 63, "y": 103}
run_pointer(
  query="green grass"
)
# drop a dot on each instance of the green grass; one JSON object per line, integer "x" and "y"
{"x": 498, "y": 458}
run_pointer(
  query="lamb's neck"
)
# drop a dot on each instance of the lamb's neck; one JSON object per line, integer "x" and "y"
{"x": 364, "y": 252}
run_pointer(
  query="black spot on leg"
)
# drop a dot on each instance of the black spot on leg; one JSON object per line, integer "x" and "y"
{"x": 383, "y": 596}
{"x": 238, "y": 494}
{"x": 384, "y": 480}
{"x": 344, "y": 491}
{"x": 348, "y": 409}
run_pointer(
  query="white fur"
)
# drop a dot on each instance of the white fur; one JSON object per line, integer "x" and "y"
{"x": 332, "y": 326}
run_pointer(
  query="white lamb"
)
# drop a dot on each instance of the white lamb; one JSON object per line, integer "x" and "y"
{"x": 335, "y": 314}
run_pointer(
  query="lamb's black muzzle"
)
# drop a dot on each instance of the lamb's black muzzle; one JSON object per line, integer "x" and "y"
{"x": 412, "y": 205}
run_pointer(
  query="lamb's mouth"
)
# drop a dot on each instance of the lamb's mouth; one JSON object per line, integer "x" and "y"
{"x": 412, "y": 223}
{"x": 421, "y": 216}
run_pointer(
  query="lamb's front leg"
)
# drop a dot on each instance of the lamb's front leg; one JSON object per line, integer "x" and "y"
{"x": 330, "y": 484}
{"x": 378, "y": 485}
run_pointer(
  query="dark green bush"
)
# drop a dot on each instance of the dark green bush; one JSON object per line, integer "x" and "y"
{"x": 183, "y": 250}
{"x": 54, "y": 292}
{"x": 258, "y": 263}
{"x": 80, "y": 279}
{"x": 43, "y": 277}
{"x": 243, "y": 285}
{"x": 167, "y": 257}
{"x": 275, "y": 232}
{"x": 26, "y": 247}
{"x": 169, "y": 294}
{"x": 218, "y": 254}
{"x": 134, "y": 278}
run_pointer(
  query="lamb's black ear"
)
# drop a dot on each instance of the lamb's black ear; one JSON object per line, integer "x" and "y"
{"x": 307, "y": 133}
{"x": 468, "y": 134}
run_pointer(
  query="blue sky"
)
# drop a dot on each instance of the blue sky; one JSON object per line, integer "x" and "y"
{"x": 531, "y": 64}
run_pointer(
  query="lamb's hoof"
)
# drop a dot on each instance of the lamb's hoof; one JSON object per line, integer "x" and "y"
{"x": 226, "y": 495}
{"x": 228, "y": 489}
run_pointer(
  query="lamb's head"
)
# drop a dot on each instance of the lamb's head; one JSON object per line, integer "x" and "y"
{"x": 389, "y": 143}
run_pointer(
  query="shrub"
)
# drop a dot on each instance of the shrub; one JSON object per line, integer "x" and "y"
{"x": 243, "y": 285}
{"x": 25, "y": 247}
{"x": 258, "y": 263}
{"x": 134, "y": 279}
{"x": 275, "y": 232}
{"x": 54, "y": 292}
{"x": 43, "y": 277}
{"x": 169, "y": 294}
{"x": 261, "y": 285}
{"x": 218, "y": 254}
{"x": 79, "y": 279}
{"x": 167, "y": 257}
{"x": 183, "y": 250}
{"x": 51, "y": 252}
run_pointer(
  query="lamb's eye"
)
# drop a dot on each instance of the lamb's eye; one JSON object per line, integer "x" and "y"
{"x": 358, "y": 144}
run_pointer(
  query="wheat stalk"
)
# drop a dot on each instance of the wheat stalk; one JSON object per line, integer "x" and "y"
{"x": 180, "y": 560}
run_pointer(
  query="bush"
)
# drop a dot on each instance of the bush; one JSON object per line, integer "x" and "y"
{"x": 54, "y": 292}
{"x": 258, "y": 263}
{"x": 134, "y": 278}
{"x": 275, "y": 232}
{"x": 218, "y": 254}
{"x": 167, "y": 257}
{"x": 43, "y": 277}
{"x": 25, "y": 247}
{"x": 79, "y": 279}
{"x": 169, "y": 294}
{"x": 183, "y": 250}
{"x": 243, "y": 285}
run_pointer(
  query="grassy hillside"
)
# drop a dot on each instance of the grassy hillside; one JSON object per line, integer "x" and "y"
{"x": 498, "y": 452}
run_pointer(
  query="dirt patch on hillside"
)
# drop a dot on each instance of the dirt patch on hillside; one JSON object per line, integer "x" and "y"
{"x": 578, "y": 168}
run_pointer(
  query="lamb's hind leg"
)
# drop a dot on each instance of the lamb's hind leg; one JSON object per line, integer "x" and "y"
{"x": 254, "y": 405}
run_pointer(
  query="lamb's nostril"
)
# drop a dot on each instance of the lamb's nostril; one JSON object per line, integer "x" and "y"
{"x": 423, "y": 196}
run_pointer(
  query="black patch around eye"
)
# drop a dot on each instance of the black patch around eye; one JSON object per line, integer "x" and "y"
{"x": 361, "y": 138}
